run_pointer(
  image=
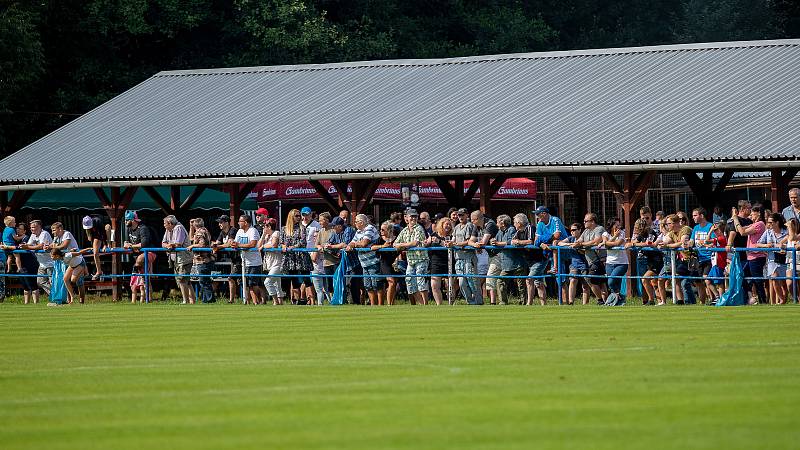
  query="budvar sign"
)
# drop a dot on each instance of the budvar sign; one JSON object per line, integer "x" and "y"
{"x": 512, "y": 189}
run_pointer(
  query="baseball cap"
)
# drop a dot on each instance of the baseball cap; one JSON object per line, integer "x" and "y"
{"x": 462, "y": 211}
{"x": 223, "y": 218}
{"x": 411, "y": 212}
{"x": 259, "y": 212}
{"x": 337, "y": 221}
{"x": 131, "y": 215}
{"x": 541, "y": 209}
{"x": 87, "y": 222}
{"x": 305, "y": 211}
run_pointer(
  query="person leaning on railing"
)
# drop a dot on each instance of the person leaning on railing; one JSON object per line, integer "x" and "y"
{"x": 176, "y": 236}
{"x": 774, "y": 235}
{"x": 366, "y": 235}
{"x": 413, "y": 235}
{"x": 272, "y": 261}
{"x": 512, "y": 261}
{"x": 439, "y": 260}
{"x": 589, "y": 240}
{"x": 677, "y": 237}
{"x": 648, "y": 262}
{"x": 616, "y": 260}
{"x": 578, "y": 267}
{"x": 790, "y": 245}
{"x": 387, "y": 259}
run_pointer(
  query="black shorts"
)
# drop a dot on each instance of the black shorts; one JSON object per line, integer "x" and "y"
{"x": 599, "y": 269}
{"x": 704, "y": 267}
{"x": 253, "y": 281}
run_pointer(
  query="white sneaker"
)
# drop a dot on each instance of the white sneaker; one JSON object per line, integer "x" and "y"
{"x": 183, "y": 302}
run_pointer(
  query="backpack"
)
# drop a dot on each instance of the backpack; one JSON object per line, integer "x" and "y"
{"x": 614, "y": 299}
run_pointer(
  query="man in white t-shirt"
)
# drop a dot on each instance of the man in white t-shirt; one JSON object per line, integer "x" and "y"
{"x": 64, "y": 241}
{"x": 40, "y": 239}
{"x": 176, "y": 236}
{"x": 247, "y": 240}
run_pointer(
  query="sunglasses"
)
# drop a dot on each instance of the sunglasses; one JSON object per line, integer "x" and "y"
{"x": 574, "y": 229}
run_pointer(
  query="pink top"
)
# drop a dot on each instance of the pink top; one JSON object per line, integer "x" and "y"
{"x": 752, "y": 240}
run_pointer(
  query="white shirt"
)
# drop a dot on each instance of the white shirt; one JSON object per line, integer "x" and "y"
{"x": 252, "y": 258}
{"x": 616, "y": 256}
{"x": 42, "y": 238}
{"x": 67, "y": 236}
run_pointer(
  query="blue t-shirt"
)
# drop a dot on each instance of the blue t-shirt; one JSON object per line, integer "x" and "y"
{"x": 545, "y": 232}
{"x": 8, "y": 236}
{"x": 577, "y": 260}
{"x": 700, "y": 233}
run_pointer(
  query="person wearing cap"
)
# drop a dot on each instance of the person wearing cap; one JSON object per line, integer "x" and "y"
{"x": 338, "y": 240}
{"x": 96, "y": 235}
{"x": 345, "y": 215}
{"x": 139, "y": 236}
{"x": 417, "y": 268}
{"x": 227, "y": 234}
{"x": 312, "y": 228}
{"x": 465, "y": 233}
{"x": 549, "y": 229}
{"x": 262, "y": 214}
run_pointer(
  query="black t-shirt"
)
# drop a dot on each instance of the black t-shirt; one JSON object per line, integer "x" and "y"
{"x": 490, "y": 228}
{"x": 225, "y": 256}
{"x": 739, "y": 240}
{"x": 141, "y": 235}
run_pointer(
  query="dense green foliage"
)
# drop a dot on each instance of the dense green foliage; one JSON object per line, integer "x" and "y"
{"x": 60, "y": 58}
{"x": 119, "y": 376}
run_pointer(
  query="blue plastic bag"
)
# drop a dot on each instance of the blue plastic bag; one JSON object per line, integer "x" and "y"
{"x": 734, "y": 296}
{"x": 58, "y": 290}
{"x": 340, "y": 282}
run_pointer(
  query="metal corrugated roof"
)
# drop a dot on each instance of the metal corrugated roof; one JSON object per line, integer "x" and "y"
{"x": 734, "y": 102}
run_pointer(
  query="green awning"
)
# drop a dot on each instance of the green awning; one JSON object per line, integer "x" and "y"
{"x": 85, "y": 198}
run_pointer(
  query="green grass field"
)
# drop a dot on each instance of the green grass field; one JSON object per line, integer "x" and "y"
{"x": 118, "y": 376}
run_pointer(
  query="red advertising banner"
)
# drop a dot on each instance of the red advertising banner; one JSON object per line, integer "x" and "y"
{"x": 512, "y": 189}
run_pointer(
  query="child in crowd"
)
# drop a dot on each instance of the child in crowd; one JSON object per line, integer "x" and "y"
{"x": 719, "y": 260}
{"x": 137, "y": 285}
{"x": 11, "y": 239}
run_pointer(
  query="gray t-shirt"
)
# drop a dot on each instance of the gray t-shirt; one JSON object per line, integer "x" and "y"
{"x": 593, "y": 255}
{"x": 462, "y": 232}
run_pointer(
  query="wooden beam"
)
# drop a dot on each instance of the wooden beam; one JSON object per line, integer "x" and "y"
{"x": 174, "y": 198}
{"x": 450, "y": 193}
{"x": 640, "y": 186}
{"x": 17, "y": 201}
{"x": 496, "y": 184}
{"x": 723, "y": 182}
{"x": 615, "y": 187}
{"x": 341, "y": 192}
{"x": 159, "y": 201}
{"x": 473, "y": 188}
{"x": 367, "y": 192}
{"x": 326, "y": 196}
{"x": 196, "y": 193}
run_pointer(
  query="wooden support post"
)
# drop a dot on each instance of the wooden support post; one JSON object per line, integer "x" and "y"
{"x": 455, "y": 193}
{"x": 115, "y": 209}
{"x": 236, "y": 195}
{"x": 334, "y": 204}
{"x": 17, "y": 201}
{"x": 708, "y": 195}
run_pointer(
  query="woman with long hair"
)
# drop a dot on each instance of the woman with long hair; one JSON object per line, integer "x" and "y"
{"x": 297, "y": 263}
{"x": 272, "y": 260}
{"x": 387, "y": 258}
{"x": 776, "y": 262}
{"x": 754, "y": 268}
{"x": 790, "y": 244}
{"x": 616, "y": 260}
{"x": 442, "y": 234}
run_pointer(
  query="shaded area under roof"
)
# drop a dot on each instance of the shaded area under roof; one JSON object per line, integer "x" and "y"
{"x": 721, "y": 103}
{"x": 84, "y": 198}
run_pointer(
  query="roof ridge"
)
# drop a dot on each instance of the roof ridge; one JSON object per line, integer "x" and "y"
{"x": 706, "y": 46}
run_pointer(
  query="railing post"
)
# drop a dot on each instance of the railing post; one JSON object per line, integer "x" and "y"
{"x": 672, "y": 275}
{"x": 450, "y": 299}
{"x": 146, "y": 277}
{"x": 559, "y": 282}
{"x": 794, "y": 273}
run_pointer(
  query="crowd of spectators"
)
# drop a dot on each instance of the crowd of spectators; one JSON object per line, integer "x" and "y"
{"x": 440, "y": 259}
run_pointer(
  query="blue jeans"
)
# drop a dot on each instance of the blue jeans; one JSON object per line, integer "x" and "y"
{"x": 616, "y": 270}
{"x": 205, "y": 290}
{"x": 468, "y": 285}
{"x": 755, "y": 268}
{"x": 373, "y": 282}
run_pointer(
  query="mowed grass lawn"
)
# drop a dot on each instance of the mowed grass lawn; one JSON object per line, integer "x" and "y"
{"x": 119, "y": 376}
